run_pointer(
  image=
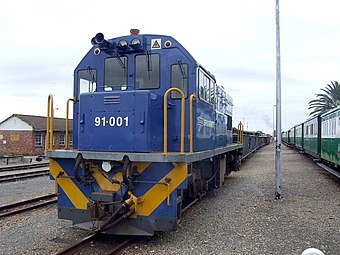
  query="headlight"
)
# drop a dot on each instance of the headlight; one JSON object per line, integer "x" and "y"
{"x": 135, "y": 43}
{"x": 122, "y": 44}
{"x": 106, "y": 166}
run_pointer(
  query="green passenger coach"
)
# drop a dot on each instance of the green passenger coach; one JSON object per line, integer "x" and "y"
{"x": 318, "y": 136}
{"x": 330, "y": 136}
{"x": 291, "y": 136}
{"x": 312, "y": 136}
{"x": 299, "y": 136}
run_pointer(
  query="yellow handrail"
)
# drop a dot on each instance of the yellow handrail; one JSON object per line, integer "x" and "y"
{"x": 50, "y": 124}
{"x": 67, "y": 126}
{"x": 240, "y": 133}
{"x": 192, "y": 98}
{"x": 166, "y": 119}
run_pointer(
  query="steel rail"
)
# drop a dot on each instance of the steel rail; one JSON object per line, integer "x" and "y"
{"x": 118, "y": 247}
{"x": 87, "y": 241}
{"x": 18, "y": 207}
{"x": 189, "y": 205}
{"x": 328, "y": 169}
{"x": 21, "y": 176}
{"x": 23, "y": 167}
{"x": 78, "y": 245}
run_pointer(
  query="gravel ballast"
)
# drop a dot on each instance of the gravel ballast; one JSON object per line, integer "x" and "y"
{"x": 240, "y": 218}
{"x": 243, "y": 217}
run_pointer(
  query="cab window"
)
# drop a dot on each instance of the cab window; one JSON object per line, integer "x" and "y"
{"x": 87, "y": 80}
{"x": 116, "y": 72}
{"x": 179, "y": 79}
{"x": 147, "y": 71}
{"x": 206, "y": 88}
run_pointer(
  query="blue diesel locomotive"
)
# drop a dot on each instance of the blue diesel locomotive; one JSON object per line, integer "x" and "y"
{"x": 152, "y": 132}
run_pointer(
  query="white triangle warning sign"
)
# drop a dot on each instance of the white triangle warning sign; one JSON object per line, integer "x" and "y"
{"x": 156, "y": 44}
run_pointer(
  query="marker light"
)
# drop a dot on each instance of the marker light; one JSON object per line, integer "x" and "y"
{"x": 135, "y": 43}
{"x": 106, "y": 166}
{"x": 122, "y": 44}
{"x": 96, "y": 51}
{"x": 134, "y": 31}
{"x": 167, "y": 44}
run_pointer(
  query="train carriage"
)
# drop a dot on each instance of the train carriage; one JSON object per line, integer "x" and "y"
{"x": 330, "y": 136}
{"x": 139, "y": 155}
{"x": 285, "y": 137}
{"x": 299, "y": 136}
{"x": 291, "y": 136}
{"x": 312, "y": 136}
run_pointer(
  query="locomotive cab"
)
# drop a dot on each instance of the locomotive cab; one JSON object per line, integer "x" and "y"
{"x": 119, "y": 88}
{"x": 119, "y": 92}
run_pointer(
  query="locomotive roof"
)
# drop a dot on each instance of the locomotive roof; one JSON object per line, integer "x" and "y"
{"x": 155, "y": 36}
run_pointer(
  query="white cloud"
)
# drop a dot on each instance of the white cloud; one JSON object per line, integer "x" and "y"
{"x": 43, "y": 42}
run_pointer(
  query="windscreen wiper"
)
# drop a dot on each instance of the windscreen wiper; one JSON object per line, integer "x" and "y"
{"x": 149, "y": 62}
{"x": 120, "y": 61}
{"x": 91, "y": 77}
{"x": 181, "y": 68}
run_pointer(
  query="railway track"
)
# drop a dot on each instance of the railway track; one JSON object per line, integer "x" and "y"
{"x": 25, "y": 175}
{"x": 23, "y": 167}
{"x": 89, "y": 240}
{"x": 328, "y": 169}
{"x": 26, "y": 205}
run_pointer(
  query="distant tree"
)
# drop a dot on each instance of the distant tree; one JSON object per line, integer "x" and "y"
{"x": 327, "y": 101}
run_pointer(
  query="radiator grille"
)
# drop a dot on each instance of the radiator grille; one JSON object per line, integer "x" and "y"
{"x": 112, "y": 100}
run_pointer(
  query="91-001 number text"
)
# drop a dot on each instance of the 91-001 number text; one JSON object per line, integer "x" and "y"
{"x": 111, "y": 121}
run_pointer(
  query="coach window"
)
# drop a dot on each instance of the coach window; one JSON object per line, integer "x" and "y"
{"x": 312, "y": 129}
{"x": 116, "y": 72}
{"x": 147, "y": 71}
{"x": 87, "y": 80}
{"x": 179, "y": 79}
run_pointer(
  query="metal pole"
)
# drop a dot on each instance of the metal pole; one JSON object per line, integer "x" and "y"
{"x": 278, "y": 171}
{"x": 274, "y": 121}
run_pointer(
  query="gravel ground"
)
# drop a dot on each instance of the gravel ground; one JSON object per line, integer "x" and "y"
{"x": 25, "y": 189}
{"x": 243, "y": 217}
{"x": 240, "y": 218}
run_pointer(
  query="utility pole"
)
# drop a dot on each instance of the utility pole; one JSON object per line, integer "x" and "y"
{"x": 278, "y": 170}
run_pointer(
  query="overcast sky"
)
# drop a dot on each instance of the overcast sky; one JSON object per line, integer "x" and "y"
{"x": 43, "y": 41}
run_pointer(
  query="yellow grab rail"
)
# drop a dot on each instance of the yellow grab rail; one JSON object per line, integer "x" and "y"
{"x": 166, "y": 119}
{"x": 67, "y": 140}
{"x": 49, "y": 124}
{"x": 240, "y": 133}
{"x": 192, "y": 98}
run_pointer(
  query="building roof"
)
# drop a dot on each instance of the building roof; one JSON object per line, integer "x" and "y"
{"x": 39, "y": 122}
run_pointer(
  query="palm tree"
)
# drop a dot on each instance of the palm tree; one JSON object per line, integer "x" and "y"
{"x": 327, "y": 101}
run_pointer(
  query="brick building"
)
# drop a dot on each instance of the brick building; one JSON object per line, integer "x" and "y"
{"x": 26, "y": 135}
